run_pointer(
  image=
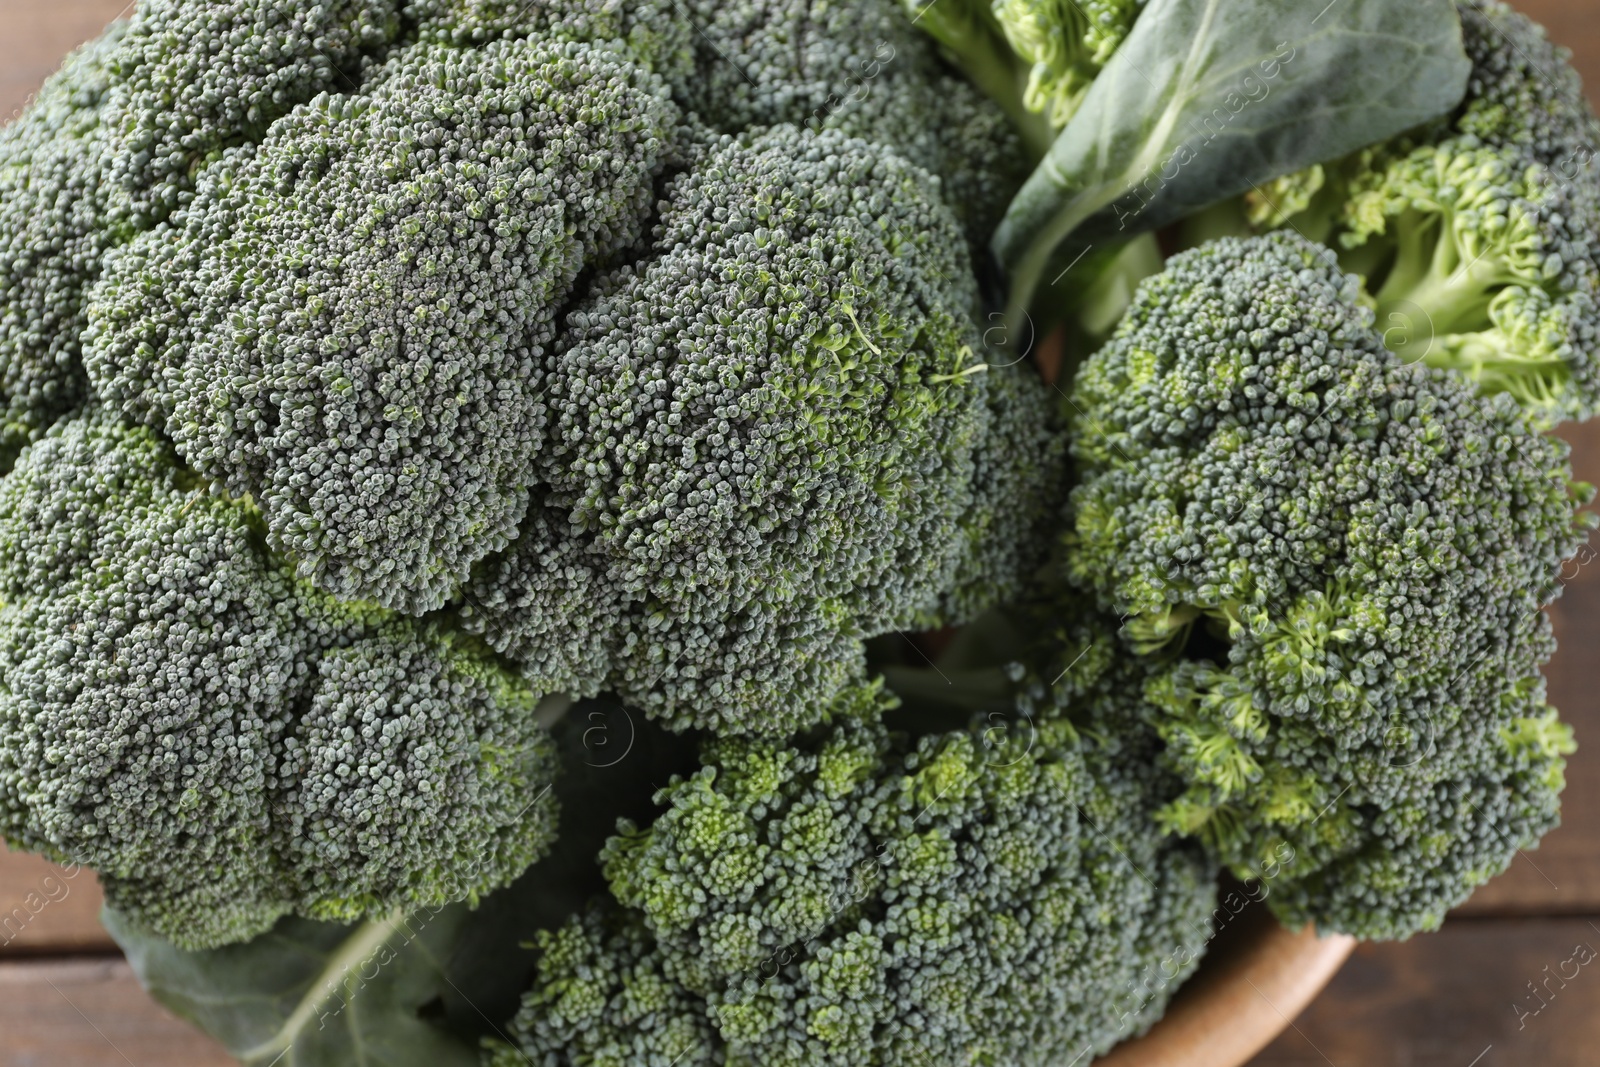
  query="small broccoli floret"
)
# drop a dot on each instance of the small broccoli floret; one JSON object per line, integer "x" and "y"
{"x": 766, "y": 435}
{"x": 196, "y": 78}
{"x": 421, "y": 775}
{"x": 858, "y": 898}
{"x": 346, "y": 322}
{"x": 57, "y": 218}
{"x": 862, "y": 68}
{"x": 1332, "y": 563}
{"x": 1480, "y": 235}
{"x": 1067, "y": 42}
{"x": 222, "y": 742}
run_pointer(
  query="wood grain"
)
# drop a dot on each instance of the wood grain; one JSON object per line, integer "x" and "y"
{"x": 47, "y": 907}
{"x": 92, "y": 1013}
{"x": 1446, "y": 999}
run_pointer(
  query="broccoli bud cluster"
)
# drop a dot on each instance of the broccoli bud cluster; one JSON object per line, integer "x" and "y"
{"x": 226, "y": 743}
{"x": 372, "y": 369}
{"x": 863, "y": 898}
{"x": 1331, "y": 564}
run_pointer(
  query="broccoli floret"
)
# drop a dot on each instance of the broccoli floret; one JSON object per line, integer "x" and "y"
{"x": 1332, "y": 563}
{"x": 767, "y": 434}
{"x": 223, "y": 742}
{"x": 196, "y": 78}
{"x": 1066, "y": 43}
{"x": 859, "y": 898}
{"x": 862, "y": 68}
{"x": 346, "y": 321}
{"x": 57, "y": 218}
{"x": 1480, "y": 234}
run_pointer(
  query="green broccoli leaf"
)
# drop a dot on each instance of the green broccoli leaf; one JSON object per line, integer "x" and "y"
{"x": 1206, "y": 98}
{"x": 311, "y": 993}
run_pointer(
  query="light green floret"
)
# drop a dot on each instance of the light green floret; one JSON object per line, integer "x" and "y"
{"x": 858, "y": 898}
{"x": 1067, "y": 43}
{"x": 1479, "y": 236}
{"x": 768, "y": 434}
{"x": 1332, "y": 565}
{"x": 224, "y": 743}
{"x": 57, "y": 218}
{"x": 346, "y": 320}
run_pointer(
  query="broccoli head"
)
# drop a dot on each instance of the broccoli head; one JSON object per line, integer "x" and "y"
{"x": 223, "y": 742}
{"x": 859, "y": 897}
{"x": 768, "y": 433}
{"x": 1332, "y": 564}
{"x": 346, "y": 320}
{"x": 1479, "y": 235}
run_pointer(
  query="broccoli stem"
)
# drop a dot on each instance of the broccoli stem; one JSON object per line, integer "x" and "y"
{"x": 968, "y": 31}
{"x": 1432, "y": 273}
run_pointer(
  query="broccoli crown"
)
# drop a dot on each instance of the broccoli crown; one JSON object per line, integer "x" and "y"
{"x": 766, "y": 441}
{"x": 1480, "y": 234}
{"x": 383, "y": 279}
{"x": 55, "y": 221}
{"x": 1333, "y": 564}
{"x": 392, "y": 262}
{"x": 1065, "y": 43}
{"x": 858, "y": 898}
{"x": 223, "y": 742}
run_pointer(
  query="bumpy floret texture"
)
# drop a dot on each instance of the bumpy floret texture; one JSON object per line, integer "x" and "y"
{"x": 860, "y": 68}
{"x": 195, "y": 78}
{"x": 223, "y": 742}
{"x": 767, "y": 436}
{"x": 858, "y": 898}
{"x": 1334, "y": 563}
{"x": 56, "y": 222}
{"x": 346, "y": 321}
{"x": 1480, "y": 235}
{"x": 654, "y": 33}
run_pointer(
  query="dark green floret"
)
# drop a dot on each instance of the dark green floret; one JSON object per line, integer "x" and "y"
{"x": 346, "y": 321}
{"x": 56, "y": 221}
{"x": 1332, "y": 563}
{"x": 774, "y": 433}
{"x": 861, "y": 68}
{"x": 196, "y": 78}
{"x": 223, "y": 742}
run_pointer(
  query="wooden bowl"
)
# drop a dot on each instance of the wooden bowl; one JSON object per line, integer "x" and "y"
{"x": 1255, "y": 978}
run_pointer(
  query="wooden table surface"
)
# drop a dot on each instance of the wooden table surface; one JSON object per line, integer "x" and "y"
{"x": 1506, "y": 981}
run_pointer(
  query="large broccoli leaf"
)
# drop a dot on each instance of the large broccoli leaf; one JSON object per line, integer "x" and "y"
{"x": 1207, "y": 98}
{"x": 310, "y": 993}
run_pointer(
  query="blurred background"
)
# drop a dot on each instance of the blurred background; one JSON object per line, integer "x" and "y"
{"x": 1508, "y": 980}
